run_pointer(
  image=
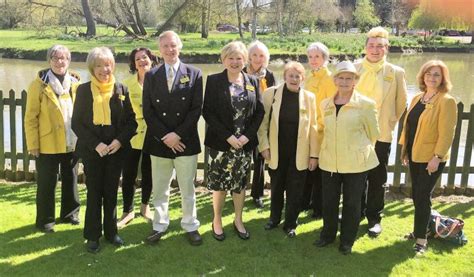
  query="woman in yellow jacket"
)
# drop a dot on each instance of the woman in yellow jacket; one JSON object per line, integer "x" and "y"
{"x": 141, "y": 60}
{"x": 350, "y": 129}
{"x": 321, "y": 84}
{"x": 426, "y": 139}
{"x": 287, "y": 140}
{"x": 50, "y": 139}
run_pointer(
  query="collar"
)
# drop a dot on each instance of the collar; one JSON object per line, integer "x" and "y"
{"x": 175, "y": 66}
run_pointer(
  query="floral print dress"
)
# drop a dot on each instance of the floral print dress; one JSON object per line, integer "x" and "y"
{"x": 228, "y": 170}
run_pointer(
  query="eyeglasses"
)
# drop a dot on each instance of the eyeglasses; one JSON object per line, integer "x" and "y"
{"x": 57, "y": 59}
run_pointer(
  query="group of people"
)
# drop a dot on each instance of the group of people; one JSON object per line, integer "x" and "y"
{"x": 322, "y": 135}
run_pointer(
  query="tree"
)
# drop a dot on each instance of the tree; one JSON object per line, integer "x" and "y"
{"x": 238, "y": 9}
{"x": 205, "y": 18}
{"x": 364, "y": 15}
{"x": 168, "y": 23}
{"x": 91, "y": 31}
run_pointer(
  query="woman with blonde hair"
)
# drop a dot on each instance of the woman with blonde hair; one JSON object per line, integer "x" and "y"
{"x": 233, "y": 112}
{"x": 104, "y": 123}
{"x": 287, "y": 140}
{"x": 426, "y": 138}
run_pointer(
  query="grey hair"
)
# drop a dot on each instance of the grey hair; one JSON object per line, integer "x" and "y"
{"x": 259, "y": 45}
{"x": 55, "y": 49}
{"x": 318, "y": 46}
{"x": 99, "y": 53}
{"x": 172, "y": 34}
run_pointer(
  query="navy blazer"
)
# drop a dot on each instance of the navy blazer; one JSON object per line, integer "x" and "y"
{"x": 178, "y": 111}
{"x": 90, "y": 135}
{"x": 218, "y": 112}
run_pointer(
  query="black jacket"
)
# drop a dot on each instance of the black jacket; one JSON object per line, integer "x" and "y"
{"x": 217, "y": 111}
{"x": 178, "y": 111}
{"x": 89, "y": 135}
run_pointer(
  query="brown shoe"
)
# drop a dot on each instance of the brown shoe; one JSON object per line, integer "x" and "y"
{"x": 154, "y": 237}
{"x": 194, "y": 238}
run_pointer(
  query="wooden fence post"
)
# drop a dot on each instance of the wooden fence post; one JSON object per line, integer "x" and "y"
{"x": 13, "y": 158}
{"x": 450, "y": 186}
{"x": 468, "y": 151}
{"x": 2, "y": 139}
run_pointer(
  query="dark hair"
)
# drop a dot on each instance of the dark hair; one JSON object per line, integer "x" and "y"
{"x": 131, "y": 58}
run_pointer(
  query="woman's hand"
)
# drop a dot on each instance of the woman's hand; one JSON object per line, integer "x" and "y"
{"x": 35, "y": 152}
{"x": 404, "y": 160}
{"x": 266, "y": 154}
{"x": 102, "y": 149}
{"x": 433, "y": 165}
{"x": 171, "y": 139}
{"x": 114, "y": 146}
{"x": 313, "y": 164}
{"x": 234, "y": 142}
{"x": 243, "y": 140}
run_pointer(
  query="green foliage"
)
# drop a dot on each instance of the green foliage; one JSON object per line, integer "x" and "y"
{"x": 422, "y": 20}
{"x": 364, "y": 15}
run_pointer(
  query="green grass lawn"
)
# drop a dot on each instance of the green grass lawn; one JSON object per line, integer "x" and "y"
{"x": 25, "y": 251}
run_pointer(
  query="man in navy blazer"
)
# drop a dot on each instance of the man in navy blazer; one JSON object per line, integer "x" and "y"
{"x": 172, "y": 102}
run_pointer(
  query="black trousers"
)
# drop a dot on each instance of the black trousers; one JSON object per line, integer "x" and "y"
{"x": 312, "y": 197}
{"x": 102, "y": 178}
{"x": 286, "y": 178}
{"x": 421, "y": 189}
{"x": 258, "y": 179}
{"x": 373, "y": 199}
{"x": 47, "y": 166}
{"x": 352, "y": 186}
{"x": 130, "y": 171}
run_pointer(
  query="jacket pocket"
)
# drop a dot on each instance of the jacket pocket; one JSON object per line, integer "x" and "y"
{"x": 362, "y": 153}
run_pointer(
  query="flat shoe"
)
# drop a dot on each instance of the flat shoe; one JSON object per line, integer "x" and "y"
{"x": 194, "y": 238}
{"x": 219, "y": 237}
{"x": 420, "y": 249}
{"x": 244, "y": 236}
{"x": 345, "y": 249}
{"x": 93, "y": 246}
{"x": 270, "y": 225}
{"x": 321, "y": 243}
{"x": 117, "y": 241}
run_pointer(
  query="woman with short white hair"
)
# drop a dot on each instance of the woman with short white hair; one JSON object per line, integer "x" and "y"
{"x": 104, "y": 123}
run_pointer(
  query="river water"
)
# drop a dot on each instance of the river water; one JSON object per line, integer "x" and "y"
{"x": 17, "y": 74}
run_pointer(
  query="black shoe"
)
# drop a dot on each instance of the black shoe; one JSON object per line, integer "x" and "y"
{"x": 154, "y": 237}
{"x": 47, "y": 228}
{"x": 219, "y": 237}
{"x": 93, "y": 246}
{"x": 270, "y": 225}
{"x": 420, "y": 249}
{"x": 291, "y": 233}
{"x": 116, "y": 240}
{"x": 258, "y": 203}
{"x": 321, "y": 243}
{"x": 73, "y": 220}
{"x": 244, "y": 236}
{"x": 194, "y": 238}
{"x": 345, "y": 249}
{"x": 375, "y": 230}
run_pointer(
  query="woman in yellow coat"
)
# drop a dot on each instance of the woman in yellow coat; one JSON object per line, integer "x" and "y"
{"x": 50, "y": 139}
{"x": 321, "y": 84}
{"x": 350, "y": 129}
{"x": 426, "y": 139}
{"x": 141, "y": 60}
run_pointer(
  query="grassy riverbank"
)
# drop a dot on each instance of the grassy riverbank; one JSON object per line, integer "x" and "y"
{"x": 33, "y": 44}
{"x": 25, "y": 251}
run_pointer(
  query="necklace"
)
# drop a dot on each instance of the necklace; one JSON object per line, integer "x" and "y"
{"x": 423, "y": 101}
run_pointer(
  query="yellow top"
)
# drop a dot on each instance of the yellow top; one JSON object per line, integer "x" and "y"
{"x": 135, "y": 91}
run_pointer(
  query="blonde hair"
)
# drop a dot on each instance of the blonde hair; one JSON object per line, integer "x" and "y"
{"x": 99, "y": 53}
{"x": 378, "y": 32}
{"x": 445, "y": 85}
{"x": 259, "y": 45}
{"x": 234, "y": 47}
{"x": 171, "y": 34}
{"x": 296, "y": 66}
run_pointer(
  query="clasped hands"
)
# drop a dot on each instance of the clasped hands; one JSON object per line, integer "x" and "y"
{"x": 103, "y": 149}
{"x": 173, "y": 141}
{"x": 237, "y": 143}
{"x": 312, "y": 163}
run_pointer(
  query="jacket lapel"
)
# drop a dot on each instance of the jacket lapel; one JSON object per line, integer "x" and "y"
{"x": 161, "y": 79}
{"x": 277, "y": 105}
{"x": 50, "y": 93}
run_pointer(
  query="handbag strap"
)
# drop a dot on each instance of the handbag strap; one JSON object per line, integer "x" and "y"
{"x": 451, "y": 229}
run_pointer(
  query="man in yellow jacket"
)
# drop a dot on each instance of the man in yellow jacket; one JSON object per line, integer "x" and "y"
{"x": 385, "y": 83}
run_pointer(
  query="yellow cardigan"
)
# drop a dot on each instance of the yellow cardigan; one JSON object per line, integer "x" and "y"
{"x": 268, "y": 131}
{"x": 435, "y": 130}
{"x": 44, "y": 124}
{"x": 135, "y": 92}
{"x": 393, "y": 102}
{"x": 349, "y": 137}
{"x": 321, "y": 84}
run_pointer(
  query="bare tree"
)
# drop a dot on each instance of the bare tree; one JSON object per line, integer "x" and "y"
{"x": 239, "y": 17}
{"x": 205, "y": 18}
{"x": 254, "y": 18}
{"x": 167, "y": 24}
{"x": 91, "y": 30}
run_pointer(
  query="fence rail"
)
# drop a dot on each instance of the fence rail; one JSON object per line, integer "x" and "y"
{"x": 12, "y": 172}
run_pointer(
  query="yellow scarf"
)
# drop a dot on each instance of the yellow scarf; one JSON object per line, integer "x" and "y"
{"x": 369, "y": 84}
{"x": 263, "y": 85}
{"x": 101, "y": 93}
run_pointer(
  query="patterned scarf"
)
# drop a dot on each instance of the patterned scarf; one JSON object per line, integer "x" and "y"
{"x": 101, "y": 93}
{"x": 260, "y": 74}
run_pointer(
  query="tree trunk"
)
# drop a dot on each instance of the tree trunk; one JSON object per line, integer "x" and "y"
{"x": 204, "y": 22}
{"x": 122, "y": 25}
{"x": 128, "y": 16}
{"x": 279, "y": 9}
{"x": 138, "y": 18}
{"x": 167, "y": 25}
{"x": 239, "y": 18}
{"x": 91, "y": 31}
{"x": 254, "y": 19}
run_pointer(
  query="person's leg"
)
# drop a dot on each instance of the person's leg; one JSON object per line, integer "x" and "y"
{"x": 112, "y": 171}
{"x": 146, "y": 185}
{"x": 186, "y": 168}
{"x": 353, "y": 185}
{"x": 295, "y": 180}
{"x": 317, "y": 196}
{"x": 258, "y": 179}
{"x": 69, "y": 193}
{"x": 47, "y": 168}
{"x": 218, "y": 201}
{"x": 307, "y": 192}
{"x": 94, "y": 171}
{"x": 277, "y": 182}
{"x": 129, "y": 176}
{"x": 239, "y": 199}
{"x": 162, "y": 173}
{"x": 331, "y": 197}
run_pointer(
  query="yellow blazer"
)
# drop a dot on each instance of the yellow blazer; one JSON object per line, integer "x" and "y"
{"x": 268, "y": 131}
{"x": 393, "y": 102}
{"x": 435, "y": 130}
{"x": 349, "y": 139}
{"x": 44, "y": 124}
{"x": 135, "y": 91}
{"x": 321, "y": 84}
